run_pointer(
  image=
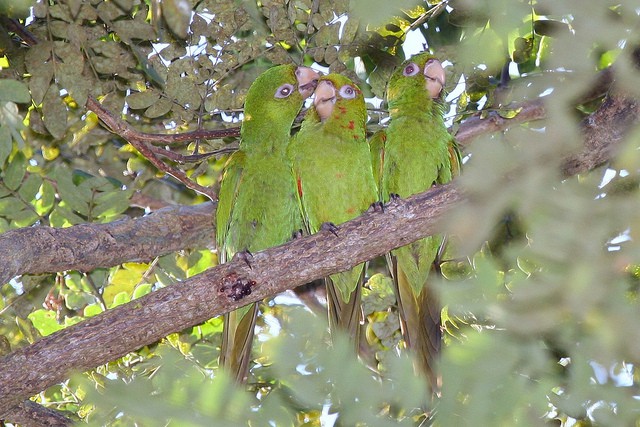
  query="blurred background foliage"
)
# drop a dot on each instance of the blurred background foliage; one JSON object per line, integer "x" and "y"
{"x": 542, "y": 319}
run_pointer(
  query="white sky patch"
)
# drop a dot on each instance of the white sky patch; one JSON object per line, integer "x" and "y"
{"x": 514, "y": 71}
{"x": 327, "y": 419}
{"x": 609, "y": 174}
{"x": 546, "y": 92}
{"x": 342, "y": 20}
{"x": 622, "y": 237}
{"x": 414, "y": 43}
{"x": 17, "y": 286}
{"x": 273, "y": 328}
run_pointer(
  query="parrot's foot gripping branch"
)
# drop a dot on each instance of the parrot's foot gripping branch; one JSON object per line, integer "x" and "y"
{"x": 330, "y": 227}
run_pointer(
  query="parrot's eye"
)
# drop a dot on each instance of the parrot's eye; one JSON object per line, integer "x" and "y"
{"x": 411, "y": 70}
{"x": 347, "y": 92}
{"x": 284, "y": 91}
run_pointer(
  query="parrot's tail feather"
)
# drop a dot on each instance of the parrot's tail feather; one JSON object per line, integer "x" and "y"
{"x": 346, "y": 316}
{"x": 237, "y": 341}
{"x": 421, "y": 324}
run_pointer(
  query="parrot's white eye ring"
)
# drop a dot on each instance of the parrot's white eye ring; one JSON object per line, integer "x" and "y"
{"x": 411, "y": 70}
{"x": 348, "y": 92}
{"x": 284, "y": 91}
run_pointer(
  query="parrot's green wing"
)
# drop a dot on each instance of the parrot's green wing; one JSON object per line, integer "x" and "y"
{"x": 226, "y": 198}
{"x": 235, "y": 348}
{"x": 455, "y": 158}
{"x": 376, "y": 147}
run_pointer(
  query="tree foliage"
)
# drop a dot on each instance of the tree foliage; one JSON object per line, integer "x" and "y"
{"x": 541, "y": 285}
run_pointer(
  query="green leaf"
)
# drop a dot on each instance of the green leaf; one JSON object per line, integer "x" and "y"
{"x": 62, "y": 216}
{"x": 120, "y": 299}
{"x": 138, "y": 100}
{"x": 47, "y": 198}
{"x": 14, "y": 91}
{"x": 75, "y": 197}
{"x": 10, "y": 206}
{"x": 160, "y": 108}
{"x": 26, "y": 218}
{"x": 177, "y": 14}
{"x": 45, "y": 321}
{"x": 92, "y": 310}
{"x": 40, "y": 80}
{"x": 54, "y": 112}
{"x": 142, "y": 290}
{"x": 15, "y": 171}
{"x": 30, "y": 187}
{"x": 349, "y": 30}
{"x": 509, "y": 113}
{"x": 78, "y": 300}
{"x": 6, "y": 144}
{"x": 111, "y": 204}
{"x": 378, "y": 12}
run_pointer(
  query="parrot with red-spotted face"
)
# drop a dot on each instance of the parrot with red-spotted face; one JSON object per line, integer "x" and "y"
{"x": 412, "y": 154}
{"x": 257, "y": 203}
{"x": 332, "y": 168}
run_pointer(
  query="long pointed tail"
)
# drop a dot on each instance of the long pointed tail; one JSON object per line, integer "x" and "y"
{"x": 237, "y": 341}
{"x": 421, "y": 324}
{"x": 346, "y": 316}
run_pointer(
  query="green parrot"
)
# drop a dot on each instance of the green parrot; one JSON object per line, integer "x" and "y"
{"x": 332, "y": 168}
{"x": 414, "y": 153}
{"x": 257, "y": 202}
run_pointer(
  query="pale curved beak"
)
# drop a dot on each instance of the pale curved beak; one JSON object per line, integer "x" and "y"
{"x": 325, "y": 99}
{"x": 307, "y": 80}
{"x": 435, "y": 77}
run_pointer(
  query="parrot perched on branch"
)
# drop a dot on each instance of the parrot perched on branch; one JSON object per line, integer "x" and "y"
{"x": 332, "y": 168}
{"x": 414, "y": 153}
{"x": 258, "y": 206}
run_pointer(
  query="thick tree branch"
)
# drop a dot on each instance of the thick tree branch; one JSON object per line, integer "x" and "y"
{"x": 116, "y": 332}
{"x": 476, "y": 126}
{"x": 85, "y": 247}
{"x": 30, "y": 414}
{"x": 603, "y": 131}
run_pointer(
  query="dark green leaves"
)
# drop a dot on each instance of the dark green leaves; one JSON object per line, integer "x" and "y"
{"x": 87, "y": 199}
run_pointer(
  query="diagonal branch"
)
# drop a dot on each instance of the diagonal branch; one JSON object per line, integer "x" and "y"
{"x": 123, "y": 329}
{"x": 133, "y": 137}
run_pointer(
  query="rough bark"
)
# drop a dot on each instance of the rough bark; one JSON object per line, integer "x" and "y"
{"x": 603, "y": 130}
{"x": 126, "y": 328}
{"x": 30, "y": 414}
{"x": 84, "y": 247}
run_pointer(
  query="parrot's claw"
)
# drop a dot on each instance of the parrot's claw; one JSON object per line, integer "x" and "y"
{"x": 297, "y": 234}
{"x": 244, "y": 256}
{"x": 376, "y": 207}
{"x": 393, "y": 199}
{"x": 330, "y": 227}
